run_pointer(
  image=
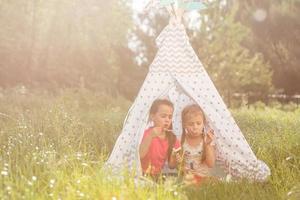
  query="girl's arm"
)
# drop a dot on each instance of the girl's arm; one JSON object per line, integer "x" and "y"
{"x": 209, "y": 155}
{"x": 209, "y": 149}
{"x": 146, "y": 142}
{"x": 175, "y": 157}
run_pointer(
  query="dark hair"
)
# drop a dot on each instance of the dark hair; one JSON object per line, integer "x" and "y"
{"x": 170, "y": 135}
{"x": 188, "y": 111}
{"x": 158, "y": 102}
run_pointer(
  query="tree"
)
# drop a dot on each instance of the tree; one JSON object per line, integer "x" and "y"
{"x": 219, "y": 43}
{"x": 53, "y": 44}
{"x": 276, "y": 28}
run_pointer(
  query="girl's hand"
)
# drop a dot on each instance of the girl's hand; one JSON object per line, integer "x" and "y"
{"x": 210, "y": 137}
{"x": 190, "y": 171}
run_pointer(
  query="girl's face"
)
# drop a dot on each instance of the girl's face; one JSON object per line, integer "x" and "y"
{"x": 163, "y": 116}
{"x": 194, "y": 125}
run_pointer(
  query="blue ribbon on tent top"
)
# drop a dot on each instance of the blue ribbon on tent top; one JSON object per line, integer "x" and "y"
{"x": 192, "y": 5}
{"x": 187, "y": 5}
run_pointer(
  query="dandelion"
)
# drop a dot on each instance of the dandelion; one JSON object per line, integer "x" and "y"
{"x": 289, "y": 158}
{"x": 52, "y": 182}
{"x": 289, "y": 193}
{"x": 4, "y": 173}
{"x": 228, "y": 178}
{"x": 34, "y": 178}
{"x": 175, "y": 193}
{"x": 79, "y": 154}
{"x": 114, "y": 198}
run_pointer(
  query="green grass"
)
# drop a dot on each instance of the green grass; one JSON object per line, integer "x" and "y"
{"x": 53, "y": 147}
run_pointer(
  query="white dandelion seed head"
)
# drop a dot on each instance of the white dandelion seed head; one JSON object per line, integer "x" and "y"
{"x": 81, "y": 194}
{"x": 289, "y": 158}
{"x": 228, "y": 178}
{"x": 34, "y": 178}
{"x": 4, "y": 173}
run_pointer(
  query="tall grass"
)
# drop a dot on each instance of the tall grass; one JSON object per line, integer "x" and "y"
{"x": 53, "y": 147}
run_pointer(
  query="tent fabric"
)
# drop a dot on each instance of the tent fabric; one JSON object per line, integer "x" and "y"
{"x": 177, "y": 74}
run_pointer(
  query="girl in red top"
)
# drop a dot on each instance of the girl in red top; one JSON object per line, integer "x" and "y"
{"x": 158, "y": 141}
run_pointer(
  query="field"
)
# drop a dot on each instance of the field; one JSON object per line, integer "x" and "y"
{"x": 52, "y": 146}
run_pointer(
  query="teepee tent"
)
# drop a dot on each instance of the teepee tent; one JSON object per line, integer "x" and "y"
{"x": 177, "y": 74}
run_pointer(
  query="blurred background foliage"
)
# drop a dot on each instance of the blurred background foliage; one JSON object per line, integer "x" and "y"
{"x": 249, "y": 46}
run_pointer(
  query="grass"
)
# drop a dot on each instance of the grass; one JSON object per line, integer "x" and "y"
{"x": 52, "y": 146}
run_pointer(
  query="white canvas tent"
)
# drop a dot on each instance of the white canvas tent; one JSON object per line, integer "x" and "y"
{"x": 177, "y": 74}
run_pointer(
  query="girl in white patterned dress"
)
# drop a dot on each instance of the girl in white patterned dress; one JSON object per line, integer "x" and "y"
{"x": 198, "y": 145}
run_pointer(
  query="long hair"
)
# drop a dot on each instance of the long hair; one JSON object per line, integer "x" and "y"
{"x": 186, "y": 114}
{"x": 170, "y": 135}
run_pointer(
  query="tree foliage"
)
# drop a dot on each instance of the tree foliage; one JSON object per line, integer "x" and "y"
{"x": 276, "y": 29}
{"x": 219, "y": 44}
{"x": 63, "y": 43}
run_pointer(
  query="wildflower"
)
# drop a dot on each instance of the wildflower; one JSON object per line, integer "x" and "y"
{"x": 4, "y": 173}
{"x": 81, "y": 194}
{"x": 34, "y": 178}
{"x": 114, "y": 198}
{"x": 228, "y": 178}
{"x": 52, "y": 181}
{"x": 78, "y": 154}
{"x": 289, "y": 158}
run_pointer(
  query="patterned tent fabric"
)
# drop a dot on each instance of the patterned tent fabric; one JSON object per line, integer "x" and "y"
{"x": 177, "y": 74}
